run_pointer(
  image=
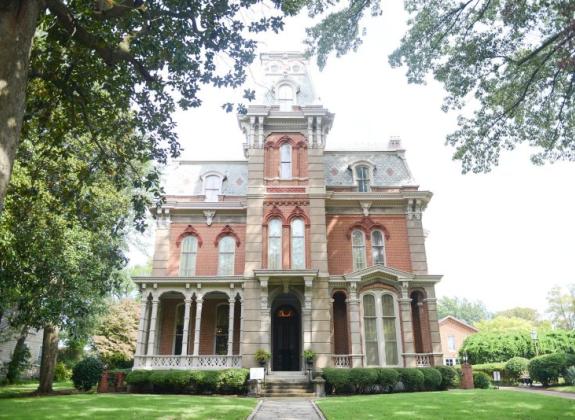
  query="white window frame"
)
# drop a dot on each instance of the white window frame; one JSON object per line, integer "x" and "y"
{"x": 447, "y": 360}
{"x": 188, "y": 255}
{"x": 353, "y": 247}
{"x": 286, "y": 104}
{"x": 221, "y": 253}
{"x": 378, "y": 295}
{"x": 370, "y": 171}
{"x": 450, "y": 341}
{"x": 289, "y": 163}
{"x": 220, "y": 184}
{"x": 373, "y": 253}
{"x": 303, "y": 249}
{"x": 280, "y": 243}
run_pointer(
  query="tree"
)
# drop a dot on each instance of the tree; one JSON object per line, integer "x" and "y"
{"x": 502, "y": 324}
{"x": 62, "y": 241}
{"x": 561, "y": 306}
{"x": 115, "y": 336}
{"x": 513, "y": 60}
{"x": 461, "y": 308}
{"x": 528, "y": 314}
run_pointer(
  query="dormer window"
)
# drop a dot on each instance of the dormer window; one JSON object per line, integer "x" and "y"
{"x": 286, "y": 97}
{"x": 362, "y": 178}
{"x": 285, "y": 161}
{"x": 212, "y": 187}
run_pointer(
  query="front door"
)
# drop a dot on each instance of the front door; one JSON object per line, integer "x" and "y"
{"x": 286, "y": 339}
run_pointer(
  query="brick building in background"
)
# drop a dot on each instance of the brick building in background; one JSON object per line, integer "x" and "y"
{"x": 296, "y": 247}
{"x": 453, "y": 333}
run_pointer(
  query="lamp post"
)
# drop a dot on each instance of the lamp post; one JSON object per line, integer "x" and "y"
{"x": 535, "y": 340}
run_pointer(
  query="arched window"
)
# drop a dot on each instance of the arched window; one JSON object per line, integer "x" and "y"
{"x": 380, "y": 324}
{"x": 275, "y": 244}
{"x": 227, "y": 253}
{"x": 358, "y": 249}
{"x": 212, "y": 187}
{"x": 297, "y": 244}
{"x": 179, "y": 329}
{"x": 362, "y": 178}
{"x": 285, "y": 97}
{"x": 378, "y": 247}
{"x": 188, "y": 256}
{"x": 285, "y": 161}
{"x": 222, "y": 329}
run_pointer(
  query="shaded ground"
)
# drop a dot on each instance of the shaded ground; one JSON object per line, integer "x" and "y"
{"x": 475, "y": 404}
{"x": 23, "y": 389}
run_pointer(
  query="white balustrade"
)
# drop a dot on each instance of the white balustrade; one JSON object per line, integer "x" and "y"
{"x": 341, "y": 360}
{"x": 423, "y": 359}
{"x": 188, "y": 362}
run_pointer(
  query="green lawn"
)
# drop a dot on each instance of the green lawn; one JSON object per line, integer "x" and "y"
{"x": 474, "y": 404}
{"x": 119, "y": 406}
{"x": 562, "y": 388}
{"x": 9, "y": 391}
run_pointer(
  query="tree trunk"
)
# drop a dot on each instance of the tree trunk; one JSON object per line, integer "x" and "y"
{"x": 20, "y": 343}
{"x": 49, "y": 359}
{"x": 18, "y": 20}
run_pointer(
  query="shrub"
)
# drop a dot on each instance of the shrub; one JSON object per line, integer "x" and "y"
{"x": 448, "y": 377}
{"x": 515, "y": 368}
{"x": 62, "y": 372}
{"x": 337, "y": 380}
{"x": 170, "y": 380}
{"x": 570, "y": 375}
{"x": 387, "y": 378}
{"x": 411, "y": 378}
{"x": 547, "y": 368}
{"x": 363, "y": 380}
{"x": 431, "y": 378}
{"x": 87, "y": 373}
{"x": 262, "y": 356}
{"x": 233, "y": 381}
{"x": 481, "y": 380}
{"x": 138, "y": 377}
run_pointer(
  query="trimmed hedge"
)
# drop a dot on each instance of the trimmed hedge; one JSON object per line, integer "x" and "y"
{"x": 411, "y": 378}
{"x": 87, "y": 373}
{"x": 226, "y": 381}
{"x": 387, "y": 379}
{"x": 549, "y": 367}
{"x": 449, "y": 377}
{"x": 481, "y": 380}
{"x": 516, "y": 367}
{"x": 431, "y": 379}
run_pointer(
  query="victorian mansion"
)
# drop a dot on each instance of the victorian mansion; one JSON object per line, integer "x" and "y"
{"x": 294, "y": 248}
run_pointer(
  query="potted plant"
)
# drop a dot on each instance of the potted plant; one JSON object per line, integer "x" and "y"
{"x": 309, "y": 355}
{"x": 262, "y": 356}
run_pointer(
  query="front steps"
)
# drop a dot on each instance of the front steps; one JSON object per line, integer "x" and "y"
{"x": 287, "y": 384}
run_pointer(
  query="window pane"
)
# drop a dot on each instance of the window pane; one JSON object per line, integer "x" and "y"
{"x": 368, "y": 305}
{"x": 285, "y": 157}
{"x": 212, "y": 187}
{"x": 370, "y": 330}
{"x": 377, "y": 238}
{"x": 297, "y": 227}
{"x": 188, "y": 256}
{"x": 389, "y": 330}
{"x": 357, "y": 238}
{"x": 226, "y": 264}
{"x": 285, "y": 92}
{"x": 275, "y": 244}
{"x": 387, "y": 306}
{"x": 189, "y": 244}
{"x": 297, "y": 244}
{"x": 212, "y": 181}
{"x": 227, "y": 244}
{"x": 275, "y": 227}
{"x": 358, "y": 258}
{"x": 285, "y": 172}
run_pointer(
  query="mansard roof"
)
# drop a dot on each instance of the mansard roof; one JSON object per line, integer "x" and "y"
{"x": 186, "y": 177}
{"x": 390, "y": 168}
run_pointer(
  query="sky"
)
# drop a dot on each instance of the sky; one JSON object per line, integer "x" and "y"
{"x": 504, "y": 238}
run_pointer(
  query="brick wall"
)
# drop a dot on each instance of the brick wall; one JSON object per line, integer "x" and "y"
{"x": 459, "y": 331}
{"x": 207, "y": 257}
{"x": 339, "y": 245}
{"x": 340, "y": 329}
{"x": 299, "y": 157}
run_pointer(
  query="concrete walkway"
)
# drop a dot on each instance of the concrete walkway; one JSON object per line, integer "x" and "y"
{"x": 566, "y": 395}
{"x": 286, "y": 409}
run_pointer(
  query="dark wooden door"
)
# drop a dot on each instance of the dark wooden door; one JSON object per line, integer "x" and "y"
{"x": 286, "y": 339}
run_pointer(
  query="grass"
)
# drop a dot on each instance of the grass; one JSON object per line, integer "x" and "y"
{"x": 475, "y": 404}
{"x": 118, "y": 406}
{"x": 562, "y": 388}
{"x": 17, "y": 390}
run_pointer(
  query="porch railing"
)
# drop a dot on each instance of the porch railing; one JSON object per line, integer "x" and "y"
{"x": 423, "y": 359}
{"x": 211, "y": 361}
{"x": 341, "y": 360}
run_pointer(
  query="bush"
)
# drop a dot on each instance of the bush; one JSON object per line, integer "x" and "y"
{"x": 411, "y": 378}
{"x": 87, "y": 373}
{"x": 363, "y": 380}
{"x": 337, "y": 380}
{"x": 547, "y": 368}
{"x": 515, "y": 368}
{"x": 570, "y": 375}
{"x": 481, "y": 380}
{"x": 233, "y": 381}
{"x": 431, "y": 379}
{"x": 62, "y": 372}
{"x": 138, "y": 377}
{"x": 448, "y": 377}
{"x": 387, "y": 378}
{"x": 19, "y": 363}
{"x": 170, "y": 380}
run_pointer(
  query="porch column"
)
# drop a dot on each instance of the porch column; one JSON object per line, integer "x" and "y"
{"x": 354, "y": 327}
{"x": 265, "y": 318}
{"x": 408, "y": 344}
{"x": 141, "y": 345}
{"x": 306, "y": 313}
{"x": 186, "y": 332}
{"x": 153, "y": 322}
{"x": 232, "y": 308}
{"x": 199, "y": 299}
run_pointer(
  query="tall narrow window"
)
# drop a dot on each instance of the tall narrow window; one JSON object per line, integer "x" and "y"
{"x": 285, "y": 165}
{"x": 389, "y": 331}
{"x": 212, "y": 187}
{"x": 451, "y": 342}
{"x": 226, "y": 260}
{"x": 370, "y": 330}
{"x": 362, "y": 178}
{"x": 297, "y": 243}
{"x": 222, "y": 329}
{"x": 275, "y": 244}
{"x": 188, "y": 256}
{"x": 285, "y": 97}
{"x": 377, "y": 247}
{"x": 179, "y": 332}
{"x": 358, "y": 248}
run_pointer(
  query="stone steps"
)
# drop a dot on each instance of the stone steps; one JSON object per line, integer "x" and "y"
{"x": 294, "y": 384}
